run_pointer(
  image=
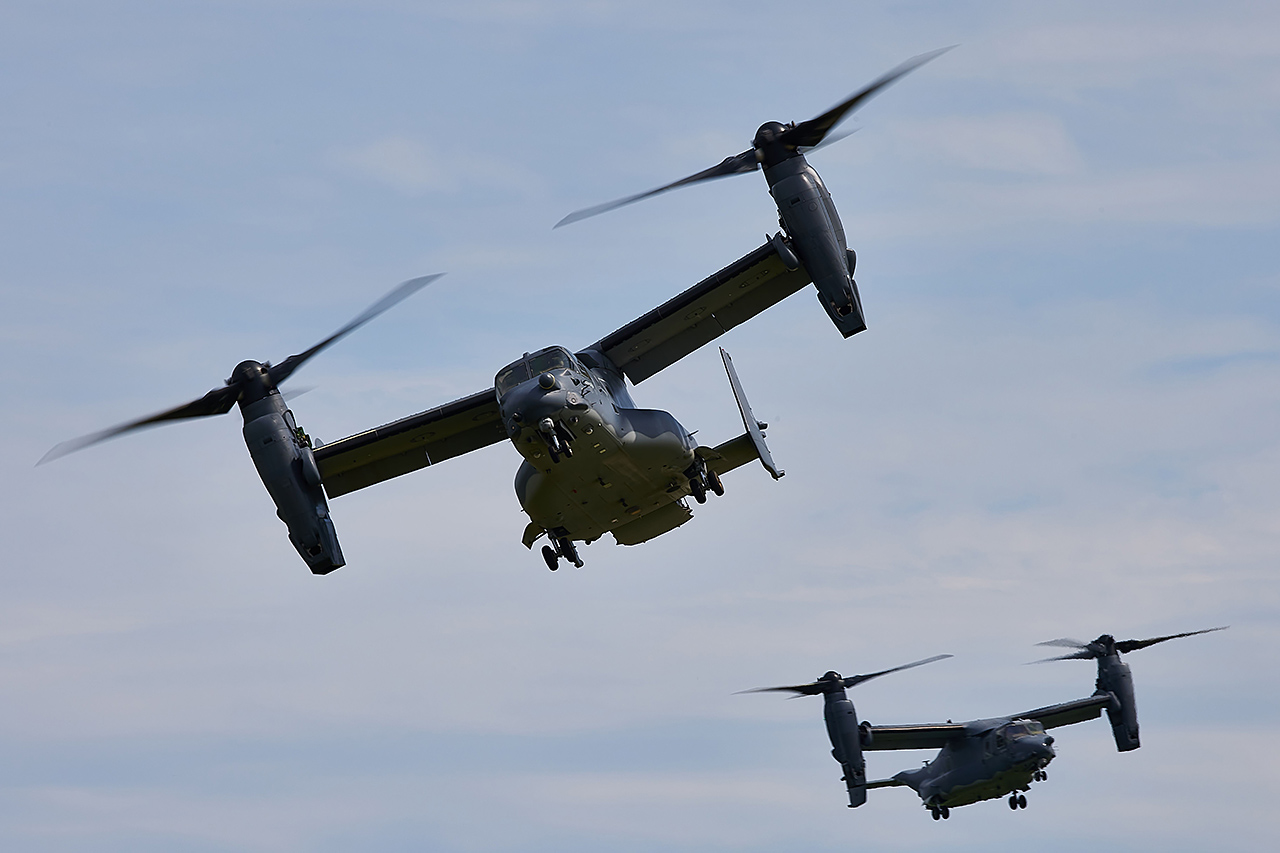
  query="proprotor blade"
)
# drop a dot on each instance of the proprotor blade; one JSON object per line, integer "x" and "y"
{"x": 811, "y": 133}
{"x": 280, "y": 372}
{"x": 220, "y": 400}
{"x": 1085, "y": 654}
{"x": 1126, "y": 646}
{"x": 854, "y": 680}
{"x": 1065, "y": 642}
{"x": 736, "y": 165}
{"x": 832, "y": 680}
{"x": 217, "y": 402}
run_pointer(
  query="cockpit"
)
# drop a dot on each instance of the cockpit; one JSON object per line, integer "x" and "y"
{"x": 532, "y": 365}
{"x": 1022, "y": 728}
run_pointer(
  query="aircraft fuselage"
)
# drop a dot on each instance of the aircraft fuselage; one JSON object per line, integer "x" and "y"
{"x": 592, "y": 461}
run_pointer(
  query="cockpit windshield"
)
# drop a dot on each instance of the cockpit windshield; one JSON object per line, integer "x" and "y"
{"x": 1015, "y": 730}
{"x": 530, "y": 366}
{"x": 553, "y": 359}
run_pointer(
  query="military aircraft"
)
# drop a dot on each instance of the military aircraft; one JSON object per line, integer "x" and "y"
{"x": 593, "y": 462}
{"x": 814, "y": 235}
{"x": 979, "y": 759}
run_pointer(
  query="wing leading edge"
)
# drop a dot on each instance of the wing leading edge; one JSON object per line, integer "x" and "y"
{"x": 936, "y": 736}
{"x": 702, "y": 313}
{"x": 933, "y": 736}
{"x": 408, "y": 444}
{"x": 1068, "y": 713}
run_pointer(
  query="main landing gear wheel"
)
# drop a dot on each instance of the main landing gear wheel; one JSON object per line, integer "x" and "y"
{"x": 561, "y": 546}
{"x": 569, "y": 551}
{"x": 946, "y": 813}
{"x": 1017, "y": 801}
{"x": 714, "y": 484}
{"x": 937, "y": 815}
{"x": 698, "y": 489}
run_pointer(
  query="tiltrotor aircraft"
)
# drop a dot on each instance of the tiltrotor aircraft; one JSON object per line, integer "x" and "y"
{"x": 593, "y": 462}
{"x": 979, "y": 759}
{"x": 814, "y": 235}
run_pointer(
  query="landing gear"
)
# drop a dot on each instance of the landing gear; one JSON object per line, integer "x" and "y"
{"x": 569, "y": 551}
{"x": 1017, "y": 801}
{"x": 561, "y": 546}
{"x": 702, "y": 480}
{"x": 1039, "y": 776}
{"x": 940, "y": 812}
{"x": 698, "y": 489}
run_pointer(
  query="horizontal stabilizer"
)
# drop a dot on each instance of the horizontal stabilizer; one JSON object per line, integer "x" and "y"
{"x": 886, "y": 783}
{"x": 734, "y": 453}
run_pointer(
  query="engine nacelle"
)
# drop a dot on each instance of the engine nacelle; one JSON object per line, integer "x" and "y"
{"x": 817, "y": 239}
{"x": 846, "y": 744}
{"x": 1115, "y": 678}
{"x": 288, "y": 469}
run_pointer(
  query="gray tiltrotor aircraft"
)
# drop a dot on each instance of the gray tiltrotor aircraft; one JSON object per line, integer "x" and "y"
{"x": 980, "y": 759}
{"x": 805, "y": 211}
{"x": 593, "y": 463}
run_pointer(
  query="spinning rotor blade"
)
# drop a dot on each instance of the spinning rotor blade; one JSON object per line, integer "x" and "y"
{"x": 1066, "y": 642}
{"x": 217, "y": 402}
{"x": 736, "y": 165}
{"x": 804, "y": 136}
{"x": 1098, "y": 648}
{"x": 854, "y": 680}
{"x": 811, "y": 133}
{"x": 280, "y": 372}
{"x": 1086, "y": 654}
{"x": 831, "y": 139}
{"x": 220, "y": 400}
{"x": 1126, "y": 646}
{"x": 815, "y": 687}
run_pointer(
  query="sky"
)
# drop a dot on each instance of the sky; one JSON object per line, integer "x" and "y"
{"x": 1062, "y": 421}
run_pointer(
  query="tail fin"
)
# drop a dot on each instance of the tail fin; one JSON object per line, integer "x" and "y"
{"x": 755, "y": 429}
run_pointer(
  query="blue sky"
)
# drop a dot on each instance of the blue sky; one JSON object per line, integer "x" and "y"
{"x": 1062, "y": 421}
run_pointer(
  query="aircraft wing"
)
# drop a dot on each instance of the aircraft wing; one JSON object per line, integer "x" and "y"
{"x": 933, "y": 736}
{"x": 410, "y": 443}
{"x": 1068, "y": 713}
{"x": 702, "y": 313}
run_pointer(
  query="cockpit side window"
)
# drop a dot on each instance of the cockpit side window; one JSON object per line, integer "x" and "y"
{"x": 511, "y": 376}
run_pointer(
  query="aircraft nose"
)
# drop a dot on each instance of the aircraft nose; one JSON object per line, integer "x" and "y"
{"x": 533, "y": 403}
